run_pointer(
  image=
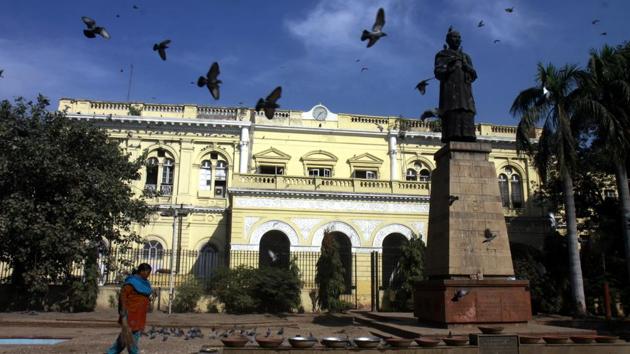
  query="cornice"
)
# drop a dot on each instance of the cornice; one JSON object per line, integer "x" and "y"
{"x": 329, "y": 195}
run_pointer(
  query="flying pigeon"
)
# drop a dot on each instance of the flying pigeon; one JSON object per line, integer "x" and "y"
{"x": 429, "y": 113}
{"x": 92, "y": 29}
{"x": 452, "y": 199}
{"x": 497, "y": 41}
{"x": 604, "y": 33}
{"x": 135, "y": 7}
{"x": 376, "y": 33}
{"x": 460, "y": 294}
{"x": 269, "y": 104}
{"x": 161, "y": 48}
{"x": 546, "y": 92}
{"x": 1, "y": 72}
{"x": 509, "y": 10}
{"x": 422, "y": 86}
{"x": 481, "y": 24}
{"x": 489, "y": 236}
{"x": 552, "y": 221}
{"x": 596, "y": 21}
{"x": 365, "y": 68}
{"x": 272, "y": 255}
{"x": 211, "y": 80}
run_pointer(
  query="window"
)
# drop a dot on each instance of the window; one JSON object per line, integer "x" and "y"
{"x": 205, "y": 175}
{"x": 418, "y": 171}
{"x": 153, "y": 250}
{"x": 216, "y": 183}
{"x": 319, "y": 172}
{"x": 365, "y": 174}
{"x": 270, "y": 170}
{"x": 160, "y": 166}
{"x": 511, "y": 188}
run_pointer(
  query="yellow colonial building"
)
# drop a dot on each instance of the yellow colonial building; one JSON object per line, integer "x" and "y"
{"x": 246, "y": 189}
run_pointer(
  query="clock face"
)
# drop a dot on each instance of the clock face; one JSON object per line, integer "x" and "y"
{"x": 320, "y": 113}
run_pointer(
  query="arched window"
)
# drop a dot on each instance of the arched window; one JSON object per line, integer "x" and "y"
{"x": 418, "y": 171}
{"x": 207, "y": 262}
{"x": 392, "y": 251}
{"x": 205, "y": 175}
{"x": 215, "y": 182}
{"x": 151, "y": 181}
{"x": 511, "y": 188}
{"x": 274, "y": 249}
{"x": 153, "y": 250}
{"x": 160, "y": 165}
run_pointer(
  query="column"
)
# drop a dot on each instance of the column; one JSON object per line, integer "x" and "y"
{"x": 244, "y": 144}
{"x": 393, "y": 160}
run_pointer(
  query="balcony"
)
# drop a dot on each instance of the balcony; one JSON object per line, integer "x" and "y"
{"x": 166, "y": 189}
{"x": 323, "y": 184}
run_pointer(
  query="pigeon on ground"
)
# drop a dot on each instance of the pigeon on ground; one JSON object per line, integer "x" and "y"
{"x": 452, "y": 199}
{"x": 92, "y": 29}
{"x": 269, "y": 104}
{"x": 211, "y": 81}
{"x": 481, "y": 24}
{"x": 281, "y": 331}
{"x": 377, "y": 32}
{"x": 161, "y": 48}
{"x": 489, "y": 236}
{"x": 268, "y": 332}
{"x": 460, "y": 293}
{"x": 509, "y": 10}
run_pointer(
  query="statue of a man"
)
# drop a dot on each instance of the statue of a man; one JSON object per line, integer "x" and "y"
{"x": 455, "y": 71}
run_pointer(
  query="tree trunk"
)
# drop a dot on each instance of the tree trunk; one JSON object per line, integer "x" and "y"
{"x": 575, "y": 266}
{"x": 624, "y": 198}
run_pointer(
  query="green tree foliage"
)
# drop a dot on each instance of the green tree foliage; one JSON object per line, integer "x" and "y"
{"x": 267, "y": 289}
{"x": 187, "y": 296}
{"x": 410, "y": 269}
{"x": 329, "y": 275}
{"x": 64, "y": 188}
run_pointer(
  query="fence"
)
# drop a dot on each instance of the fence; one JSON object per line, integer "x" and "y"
{"x": 202, "y": 265}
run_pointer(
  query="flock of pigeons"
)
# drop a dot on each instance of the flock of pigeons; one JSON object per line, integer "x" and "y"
{"x": 195, "y": 332}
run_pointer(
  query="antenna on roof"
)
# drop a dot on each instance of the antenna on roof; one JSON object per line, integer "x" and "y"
{"x": 130, "y": 80}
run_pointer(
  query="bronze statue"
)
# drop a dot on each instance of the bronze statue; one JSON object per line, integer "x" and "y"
{"x": 455, "y": 71}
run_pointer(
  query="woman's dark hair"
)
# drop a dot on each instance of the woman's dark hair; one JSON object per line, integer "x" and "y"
{"x": 142, "y": 267}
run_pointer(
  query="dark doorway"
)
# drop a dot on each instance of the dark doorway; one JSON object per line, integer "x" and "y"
{"x": 345, "y": 253}
{"x": 274, "y": 249}
{"x": 392, "y": 250}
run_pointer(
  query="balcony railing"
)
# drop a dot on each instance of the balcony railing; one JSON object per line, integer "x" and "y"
{"x": 166, "y": 189}
{"x": 323, "y": 184}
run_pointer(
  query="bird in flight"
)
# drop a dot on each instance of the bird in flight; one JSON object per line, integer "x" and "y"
{"x": 497, "y": 41}
{"x": 481, "y": 24}
{"x": 1, "y": 72}
{"x": 489, "y": 236}
{"x": 509, "y": 10}
{"x": 422, "y": 86}
{"x": 595, "y": 21}
{"x": 92, "y": 29}
{"x": 365, "y": 68}
{"x": 377, "y": 28}
{"x": 604, "y": 33}
{"x": 211, "y": 81}
{"x": 460, "y": 293}
{"x": 429, "y": 113}
{"x": 161, "y": 48}
{"x": 269, "y": 104}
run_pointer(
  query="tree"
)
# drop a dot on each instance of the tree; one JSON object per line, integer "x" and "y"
{"x": 553, "y": 103}
{"x": 64, "y": 190}
{"x": 607, "y": 106}
{"x": 409, "y": 269}
{"x": 329, "y": 276}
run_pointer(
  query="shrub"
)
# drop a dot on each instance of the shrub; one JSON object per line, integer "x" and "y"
{"x": 267, "y": 289}
{"x": 408, "y": 270}
{"x": 187, "y": 296}
{"x": 329, "y": 276}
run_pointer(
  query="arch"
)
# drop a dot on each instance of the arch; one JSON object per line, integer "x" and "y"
{"x": 270, "y": 225}
{"x": 337, "y": 226}
{"x": 520, "y": 170}
{"x": 392, "y": 229}
{"x": 207, "y": 241}
{"x": 155, "y": 237}
{"x": 274, "y": 249}
{"x": 345, "y": 249}
{"x": 309, "y": 156}
{"x": 392, "y": 251}
{"x": 203, "y": 153}
{"x": 166, "y": 147}
{"x": 423, "y": 159}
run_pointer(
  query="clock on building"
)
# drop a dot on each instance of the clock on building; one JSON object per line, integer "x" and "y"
{"x": 320, "y": 112}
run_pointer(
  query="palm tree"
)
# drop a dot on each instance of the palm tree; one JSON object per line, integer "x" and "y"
{"x": 607, "y": 104}
{"x": 552, "y": 102}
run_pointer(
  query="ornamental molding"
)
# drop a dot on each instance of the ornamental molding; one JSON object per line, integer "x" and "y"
{"x": 388, "y": 230}
{"x": 367, "y": 227}
{"x": 248, "y": 221}
{"x": 419, "y": 228}
{"x": 306, "y": 225}
{"x": 337, "y": 226}
{"x": 331, "y": 205}
{"x": 274, "y": 225}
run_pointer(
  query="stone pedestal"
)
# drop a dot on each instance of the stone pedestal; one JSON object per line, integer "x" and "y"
{"x": 467, "y": 244}
{"x": 487, "y": 301}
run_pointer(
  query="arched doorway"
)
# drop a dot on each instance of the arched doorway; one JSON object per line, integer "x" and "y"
{"x": 207, "y": 263}
{"x": 274, "y": 249}
{"x": 344, "y": 245}
{"x": 392, "y": 250}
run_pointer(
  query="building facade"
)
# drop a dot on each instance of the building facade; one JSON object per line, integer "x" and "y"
{"x": 244, "y": 183}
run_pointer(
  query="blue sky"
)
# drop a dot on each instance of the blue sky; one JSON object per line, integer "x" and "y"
{"x": 310, "y": 47}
